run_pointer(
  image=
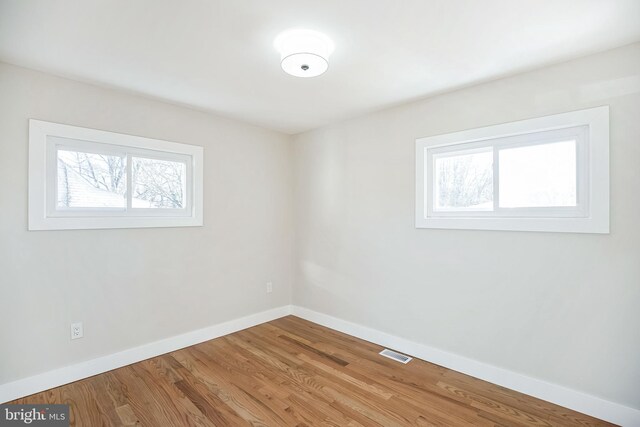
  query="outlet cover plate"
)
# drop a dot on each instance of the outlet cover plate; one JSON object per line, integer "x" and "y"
{"x": 76, "y": 330}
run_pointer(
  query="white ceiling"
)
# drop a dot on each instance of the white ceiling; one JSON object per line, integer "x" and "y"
{"x": 217, "y": 55}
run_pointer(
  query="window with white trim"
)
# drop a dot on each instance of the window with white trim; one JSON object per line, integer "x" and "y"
{"x": 83, "y": 178}
{"x": 544, "y": 174}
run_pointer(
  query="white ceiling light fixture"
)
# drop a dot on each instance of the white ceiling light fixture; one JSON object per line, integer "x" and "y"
{"x": 304, "y": 53}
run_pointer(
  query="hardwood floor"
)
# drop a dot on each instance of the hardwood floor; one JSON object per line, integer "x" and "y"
{"x": 291, "y": 372}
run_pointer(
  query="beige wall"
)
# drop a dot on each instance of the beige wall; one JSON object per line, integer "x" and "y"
{"x": 564, "y": 308}
{"x": 135, "y": 286}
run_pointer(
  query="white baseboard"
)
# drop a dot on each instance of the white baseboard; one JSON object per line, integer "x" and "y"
{"x": 572, "y": 399}
{"x": 67, "y": 374}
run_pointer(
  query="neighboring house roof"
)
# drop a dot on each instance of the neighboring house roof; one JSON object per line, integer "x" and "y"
{"x": 76, "y": 192}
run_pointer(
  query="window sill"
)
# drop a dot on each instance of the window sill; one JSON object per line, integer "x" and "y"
{"x": 556, "y": 225}
{"x": 85, "y": 223}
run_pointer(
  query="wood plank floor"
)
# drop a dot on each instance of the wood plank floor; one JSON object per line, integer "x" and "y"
{"x": 290, "y": 372}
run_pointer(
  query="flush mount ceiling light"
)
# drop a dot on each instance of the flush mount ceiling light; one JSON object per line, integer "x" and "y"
{"x": 304, "y": 53}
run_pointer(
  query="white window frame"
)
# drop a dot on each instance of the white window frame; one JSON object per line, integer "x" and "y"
{"x": 46, "y": 138}
{"x": 589, "y": 128}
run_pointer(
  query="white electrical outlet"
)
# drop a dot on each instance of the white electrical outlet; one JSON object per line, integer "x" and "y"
{"x": 76, "y": 331}
{"x": 269, "y": 287}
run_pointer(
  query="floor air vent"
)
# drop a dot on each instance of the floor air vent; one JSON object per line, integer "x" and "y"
{"x": 395, "y": 356}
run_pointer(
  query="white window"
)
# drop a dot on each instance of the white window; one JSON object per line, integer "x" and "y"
{"x": 83, "y": 178}
{"x": 544, "y": 174}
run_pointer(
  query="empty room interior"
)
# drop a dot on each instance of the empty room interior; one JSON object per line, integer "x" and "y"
{"x": 320, "y": 213}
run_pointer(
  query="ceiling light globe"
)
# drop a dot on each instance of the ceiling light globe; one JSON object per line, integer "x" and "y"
{"x": 304, "y": 53}
{"x": 304, "y": 64}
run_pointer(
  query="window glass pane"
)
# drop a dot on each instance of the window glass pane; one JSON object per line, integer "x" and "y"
{"x": 89, "y": 180}
{"x": 464, "y": 181}
{"x": 158, "y": 183}
{"x": 538, "y": 176}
